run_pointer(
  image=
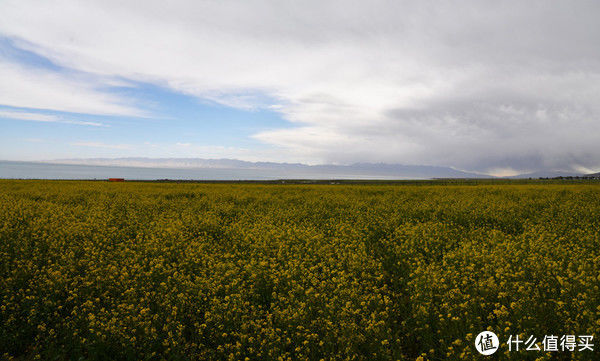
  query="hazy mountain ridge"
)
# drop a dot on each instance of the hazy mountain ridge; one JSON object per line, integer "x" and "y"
{"x": 370, "y": 169}
{"x": 549, "y": 174}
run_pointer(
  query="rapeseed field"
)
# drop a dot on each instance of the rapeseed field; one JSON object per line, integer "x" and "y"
{"x": 152, "y": 271}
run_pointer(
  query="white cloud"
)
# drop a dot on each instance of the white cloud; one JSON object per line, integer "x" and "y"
{"x": 38, "y": 117}
{"x": 30, "y": 87}
{"x": 29, "y": 116}
{"x": 478, "y": 85}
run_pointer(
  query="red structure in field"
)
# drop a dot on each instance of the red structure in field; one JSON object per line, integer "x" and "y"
{"x": 116, "y": 179}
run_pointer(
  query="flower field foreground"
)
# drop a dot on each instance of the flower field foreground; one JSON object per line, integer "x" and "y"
{"x": 150, "y": 271}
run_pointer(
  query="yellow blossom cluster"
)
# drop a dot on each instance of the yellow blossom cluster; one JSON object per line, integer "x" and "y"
{"x": 153, "y": 271}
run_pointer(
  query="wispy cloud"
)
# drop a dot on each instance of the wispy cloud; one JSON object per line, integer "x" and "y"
{"x": 50, "y": 118}
{"x": 101, "y": 145}
{"x": 34, "y": 140}
{"x": 41, "y": 88}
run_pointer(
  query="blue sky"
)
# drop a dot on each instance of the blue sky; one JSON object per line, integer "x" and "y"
{"x": 172, "y": 124}
{"x": 493, "y": 87}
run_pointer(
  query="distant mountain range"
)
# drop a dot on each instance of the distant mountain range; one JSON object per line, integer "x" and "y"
{"x": 287, "y": 170}
{"x": 549, "y": 174}
{"x": 272, "y": 170}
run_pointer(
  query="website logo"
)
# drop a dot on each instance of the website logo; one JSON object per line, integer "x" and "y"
{"x": 487, "y": 343}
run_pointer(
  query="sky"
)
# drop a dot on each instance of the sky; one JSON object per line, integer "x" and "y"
{"x": 497, "y": 87}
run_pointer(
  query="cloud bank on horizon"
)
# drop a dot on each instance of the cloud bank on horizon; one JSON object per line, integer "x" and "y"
{"x": 495, "y": 87}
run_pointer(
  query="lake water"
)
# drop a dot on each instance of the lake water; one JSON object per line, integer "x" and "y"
{"x": 33, "y": 170}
